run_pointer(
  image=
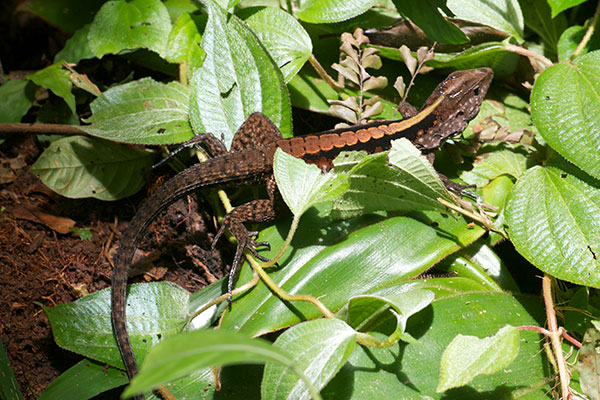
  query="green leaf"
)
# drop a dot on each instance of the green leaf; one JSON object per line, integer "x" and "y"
{"x": 411, "y": 371}
{"x": 427, "y": 16}
{"x": 76, "y": 48}
{"x": 468, "y": 356}
{"x": 366, "y": 313}
{"x": 538, "y": 19}
{"x": 179, "y": 356}
{"x": 570, "y": 39}
{"x": 561, "y": 5}
{"x": 492, "y": 54}
{"x": 83, "y": 233}
{"x": 79, "y": 167}
{"x": 333, "y": 261}
{"x": 184, "y": 44}
{"x": 504, "y": 15}
{"x": 327, "y": 11}
{"x": 303, "y": 185}
{"x": 441, "y": 287}
{"x": 310, "y": 92}
{"x": 57, "y": 80}
{"x": 236, "y": 79}
{"x": 283, "y": 36}
{"x": 552, "y": 216}
{"x": 68, "y": 15}
{"x": 125, "y": 25}
{"x": 17, "y": 97}
{"x": 479, "y": 263}
{"x": 142, "y": 112}
{"x": 565, "y": 103}
{"x": 409, "y": 182}
{"x": 319, "y": 348}
{"x": 9, "y": 387}
{"x": 503, "y": 161}
{"x": 84, "y": 380}
{"x": 588, "y": 364}
{"x": 154, "y": 312}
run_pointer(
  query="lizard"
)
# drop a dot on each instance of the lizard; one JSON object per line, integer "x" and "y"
{"x": 447, "y": 111}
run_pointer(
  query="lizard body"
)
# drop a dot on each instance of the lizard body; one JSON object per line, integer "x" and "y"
{"x": 445, "y": 113}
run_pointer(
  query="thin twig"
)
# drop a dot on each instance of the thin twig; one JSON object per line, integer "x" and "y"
{"x": 555, "y": 337}
{"x": 323, "y": 74}
{"x": 528, "y": 53}
{"x": 40, "y": 129}
{"x": 546, "y": 332}
{"x": 474, "y": 216}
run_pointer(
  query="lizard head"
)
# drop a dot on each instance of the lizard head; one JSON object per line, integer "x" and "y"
{"x": 461, "y": 93}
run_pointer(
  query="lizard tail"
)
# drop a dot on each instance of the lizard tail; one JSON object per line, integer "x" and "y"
{"x": 249, "y": 167}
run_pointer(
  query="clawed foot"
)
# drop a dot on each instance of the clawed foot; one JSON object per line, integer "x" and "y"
{"x": 245, "y": 241}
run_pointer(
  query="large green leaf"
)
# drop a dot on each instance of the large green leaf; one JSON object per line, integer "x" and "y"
{"x": 238, "y": 77}
{"x": 327, "y": 11}
{"x": 399, "y": 180}
{"x": 283, "y": 36}
{"x": 17, "y": 97}
{"x": 553, "y": 217}
{"x": 179, "y": 356}
{"x": 78, "y": 166}
{"x": 144, "y": 112}
{"x": 319, "y": 348}
{"x": 154, "y": 312}
{"x": 368, "y": 259}
{"x": 565, "y": 104}
{"x": 84, "y": 380}
{"x": 125, "y": 25}
{"x": 411, "y": 371}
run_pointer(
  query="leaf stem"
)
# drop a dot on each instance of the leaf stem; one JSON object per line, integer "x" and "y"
{"x": 474, "y": 216}
{"x": 588, "y": 34}
{"x": 41, "y": 129}
{"x": 555, "y": 336}
{"x": 323, "y": 74}
{"x": 285, "y": 296}
{"x": 546, "y": 332}
{"x": 528, "y": 53}
{"x": 285, "y": 245}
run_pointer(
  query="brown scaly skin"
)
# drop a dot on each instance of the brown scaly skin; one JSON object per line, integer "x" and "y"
{"x": 445, "y": 113}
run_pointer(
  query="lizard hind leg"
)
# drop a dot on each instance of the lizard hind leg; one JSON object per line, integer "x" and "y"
{"x": 255, "y": 211}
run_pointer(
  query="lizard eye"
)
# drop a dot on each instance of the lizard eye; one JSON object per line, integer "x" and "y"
{"x": 476, "y": 91}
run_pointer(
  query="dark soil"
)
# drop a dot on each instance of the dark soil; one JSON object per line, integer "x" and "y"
{"x": 38, "y": 265}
